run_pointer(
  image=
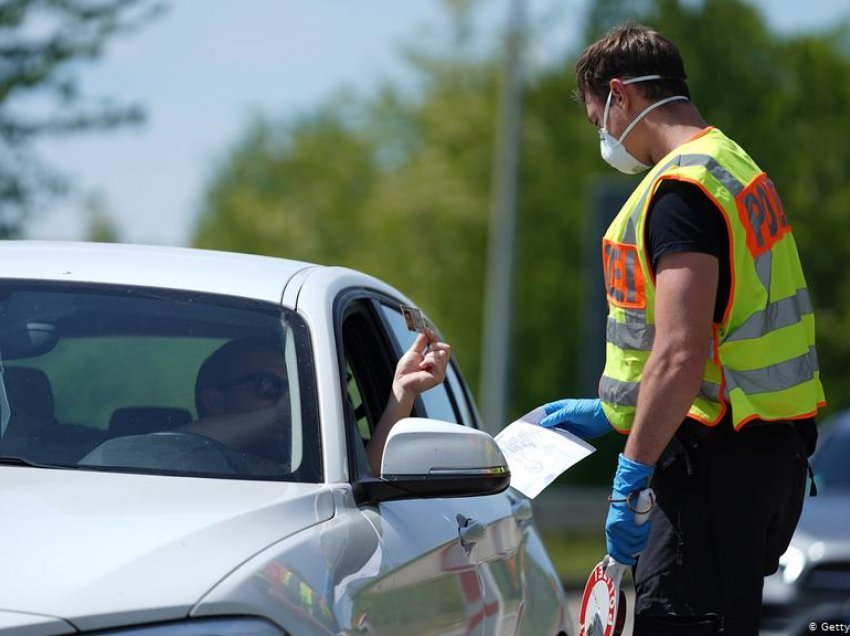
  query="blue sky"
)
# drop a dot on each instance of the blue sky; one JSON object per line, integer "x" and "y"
{"x": 204, "y": 67}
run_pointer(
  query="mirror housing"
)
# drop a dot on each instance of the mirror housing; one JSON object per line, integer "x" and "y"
{"x": 27, "y": 341}
{"x": 429, "y": 458}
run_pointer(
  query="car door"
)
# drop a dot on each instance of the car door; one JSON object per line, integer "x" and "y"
{"x": 456, "y": 556}
{"x": 496, "y": 520}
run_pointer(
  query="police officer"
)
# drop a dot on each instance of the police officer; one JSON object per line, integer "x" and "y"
{"x": 711, "y": 368}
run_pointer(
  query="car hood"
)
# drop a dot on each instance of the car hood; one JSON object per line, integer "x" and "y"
{"x": 101, "y": 549}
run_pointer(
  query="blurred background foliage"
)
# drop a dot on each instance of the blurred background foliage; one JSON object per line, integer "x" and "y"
{"x": 399, "y": 184}
{"x": 42, "y": 43}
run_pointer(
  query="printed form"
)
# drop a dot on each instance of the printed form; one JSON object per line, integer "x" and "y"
{"x": 537, "y": 455}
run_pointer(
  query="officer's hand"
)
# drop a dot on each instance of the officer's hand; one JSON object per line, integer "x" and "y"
{"x": 582, "y": 417}
{"x": 624, "y": 538}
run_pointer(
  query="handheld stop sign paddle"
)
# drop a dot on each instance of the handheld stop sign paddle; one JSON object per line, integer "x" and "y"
{"x": 603, "y": 604}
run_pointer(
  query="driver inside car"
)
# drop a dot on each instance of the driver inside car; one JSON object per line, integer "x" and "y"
{"x": 242, "y": 397}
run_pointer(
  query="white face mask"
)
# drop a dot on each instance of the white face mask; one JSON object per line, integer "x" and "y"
{"x": 613, "y": 151}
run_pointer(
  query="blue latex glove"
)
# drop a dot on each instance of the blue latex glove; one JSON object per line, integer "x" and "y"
{"x": 582, "y": 417}
{"x": 624, "y": 538}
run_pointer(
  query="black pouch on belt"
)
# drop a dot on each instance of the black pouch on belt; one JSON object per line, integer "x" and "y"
{"x": 688, "y": 438}
{"x": 808, "y": 431}
{"x": 674, "y": 451}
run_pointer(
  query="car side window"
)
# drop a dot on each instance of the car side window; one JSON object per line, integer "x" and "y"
{"x": 454, "y": 381}
{"x": 355, "y": 402}
{"x": 368, "y": 372}
{"x": 438, "y": 402}
{"x": 362, "y": 427}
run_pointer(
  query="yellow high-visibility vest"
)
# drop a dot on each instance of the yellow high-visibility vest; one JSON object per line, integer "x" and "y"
{"x": 762, "y": 360}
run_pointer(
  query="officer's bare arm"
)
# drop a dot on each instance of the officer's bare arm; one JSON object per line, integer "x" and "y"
{"x": 686, "y": 286}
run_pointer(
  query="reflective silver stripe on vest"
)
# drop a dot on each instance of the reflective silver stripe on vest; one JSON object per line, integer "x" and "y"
{"x": 624, "y": 393}
{"x": 776, "y": 377}
{"x": 764, "y": 267}
{"x": 717, "y": 171}
{"x": 635, "y": 335}
{"x": 631, "y": 286}
{"x": 629, "y": 235}
{"x": 723, "y": 176}
{"x": 776, "y": 315}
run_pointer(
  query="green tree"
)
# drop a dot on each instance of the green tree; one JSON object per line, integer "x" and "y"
{"x": 297, "y": 189}
{"x": 101, "y": 227}
{"x": 398, "y": 183}
{"x": 392, "y": 185}
{"x": 42, "y": 43}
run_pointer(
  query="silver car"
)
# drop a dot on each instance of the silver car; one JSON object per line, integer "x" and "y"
{"x": 120, "y": 516}
{"x": 813, "y": 581}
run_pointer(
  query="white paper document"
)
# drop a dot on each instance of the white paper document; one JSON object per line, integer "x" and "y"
{"x": 537, "y": 455}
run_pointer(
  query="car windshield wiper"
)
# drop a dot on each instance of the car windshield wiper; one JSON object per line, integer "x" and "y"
{"x": 11, "y": 460}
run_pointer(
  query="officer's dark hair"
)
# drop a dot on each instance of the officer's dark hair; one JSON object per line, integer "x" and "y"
{"x": 631, "y": 50}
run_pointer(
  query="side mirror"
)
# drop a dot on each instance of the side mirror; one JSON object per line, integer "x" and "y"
{"x": 429, "y": 458}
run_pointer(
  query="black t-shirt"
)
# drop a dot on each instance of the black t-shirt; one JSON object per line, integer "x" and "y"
{"x": 683, "y": 219}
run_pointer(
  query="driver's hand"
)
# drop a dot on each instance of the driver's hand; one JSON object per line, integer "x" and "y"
{"x": 423, "y": 366}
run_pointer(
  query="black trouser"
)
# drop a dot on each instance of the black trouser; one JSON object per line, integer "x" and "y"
{"x": 727, "y": 506}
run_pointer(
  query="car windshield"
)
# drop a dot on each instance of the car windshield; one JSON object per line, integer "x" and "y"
{"x": 152, "y": 381}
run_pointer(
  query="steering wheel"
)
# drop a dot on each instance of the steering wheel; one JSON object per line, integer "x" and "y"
{"x": 196, "y": 441}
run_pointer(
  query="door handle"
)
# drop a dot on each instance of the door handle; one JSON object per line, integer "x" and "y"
{"x": 521, "y": 510}
{"x": 470, "y": 531}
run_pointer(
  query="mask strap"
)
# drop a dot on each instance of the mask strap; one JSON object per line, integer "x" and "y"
{"x": 631, "y": 80}
{"x": 642, "y": 78}
{"x": 651, "y": 107}
{"x": 605, "y": 113}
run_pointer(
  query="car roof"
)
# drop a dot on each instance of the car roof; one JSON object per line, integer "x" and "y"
{"x": 243, "y": 275}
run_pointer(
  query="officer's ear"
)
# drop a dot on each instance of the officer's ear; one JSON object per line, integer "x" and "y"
{"x": 210, "y": 402}
{"x": 619, "y": 95}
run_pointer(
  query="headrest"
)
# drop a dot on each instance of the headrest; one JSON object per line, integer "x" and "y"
{"x": 29, "y": 390}
{"x": 140, "y": 420}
